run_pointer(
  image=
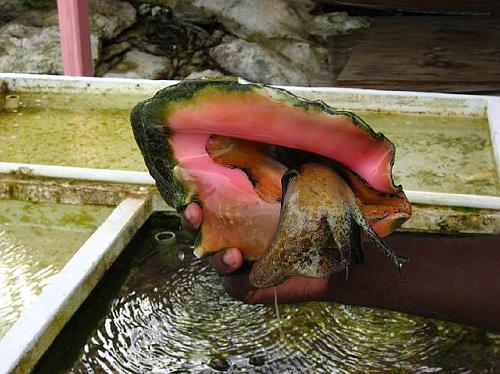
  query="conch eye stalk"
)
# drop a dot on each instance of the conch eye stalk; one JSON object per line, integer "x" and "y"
{"x": 221, "y": 143}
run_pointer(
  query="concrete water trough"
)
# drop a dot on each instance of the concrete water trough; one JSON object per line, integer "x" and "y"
{"x": 69, "y": 142}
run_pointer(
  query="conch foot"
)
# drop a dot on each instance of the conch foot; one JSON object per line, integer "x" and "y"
{"x": 319, "y": 214}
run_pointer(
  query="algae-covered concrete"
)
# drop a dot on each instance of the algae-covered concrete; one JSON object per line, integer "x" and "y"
{"x": 441, "y": 153}
{"x": 71, "y": 130}
{"x": 36, "y": 241}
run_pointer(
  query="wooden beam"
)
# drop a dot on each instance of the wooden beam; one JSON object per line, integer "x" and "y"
{"x": 75, "y": 37}
{"x": 435, "y": 6}
{"x": 431, "y": 53}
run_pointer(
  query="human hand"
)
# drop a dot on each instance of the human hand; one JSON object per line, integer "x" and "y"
{"x": 431, "y": 287}
{"x": 234, "y": 272}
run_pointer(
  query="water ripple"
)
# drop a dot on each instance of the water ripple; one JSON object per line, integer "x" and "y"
{"x": 185, "y": 322}
{"x": 22, "y": 277}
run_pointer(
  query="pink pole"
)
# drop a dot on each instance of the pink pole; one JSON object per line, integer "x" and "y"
{"x": 75, "y": 37}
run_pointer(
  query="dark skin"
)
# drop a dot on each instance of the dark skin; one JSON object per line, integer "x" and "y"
{"x": 451, "y": 278}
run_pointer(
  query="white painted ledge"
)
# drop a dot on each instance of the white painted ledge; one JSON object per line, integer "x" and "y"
{"x": 494, "y": 121}
{"x": 77, "y": 173}
{"x": 453, "y": 199}
{"x": 137, "y": 177}
{"x": 35, "y": 330}
{"x": 427, "y": 102}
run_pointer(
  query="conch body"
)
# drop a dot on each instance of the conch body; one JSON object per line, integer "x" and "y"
{"x": 320, "y": 226}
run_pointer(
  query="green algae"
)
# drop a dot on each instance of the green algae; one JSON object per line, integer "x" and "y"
{"x": 36, "y": 241}
{"x": 438, "y": 153}
{"x": 71, "y": 130}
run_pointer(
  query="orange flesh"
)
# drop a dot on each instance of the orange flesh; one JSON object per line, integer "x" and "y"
{"x": 382, "y": 211}
{"x": 253, "y": 158}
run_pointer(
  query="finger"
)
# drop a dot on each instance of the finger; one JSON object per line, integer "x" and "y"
{"x": 293, "y": 290}
{"x": 227, "y": 261}
{"x": 237, "y": 285}
{"x": 191, "y": 217}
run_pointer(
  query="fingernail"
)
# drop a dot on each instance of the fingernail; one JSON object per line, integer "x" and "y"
{"x": 188, "y": 214}
{"x": 227, "y": 258}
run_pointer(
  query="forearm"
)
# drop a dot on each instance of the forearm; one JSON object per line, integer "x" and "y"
{"x": 450, "y": 278}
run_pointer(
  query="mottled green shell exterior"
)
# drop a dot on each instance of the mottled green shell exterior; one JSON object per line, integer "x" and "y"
{"x": 151, "y": 129}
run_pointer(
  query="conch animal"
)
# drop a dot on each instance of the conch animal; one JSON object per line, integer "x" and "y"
{"x": 227, "y": 145}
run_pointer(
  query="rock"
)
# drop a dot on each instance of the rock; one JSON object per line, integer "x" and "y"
{"x": 303, "y": 8}
{"x": 29, "y": 49}
{"x": 255, "y": 20}
{"x": 352, "y": 24}
{"x": 104, "y": 66}
{"x": 274, "y": 61}
{"x": 154, "y": 49}
{"x": 144, "y": 9}
{"x": 137, "y": 64}
{"x": 310, "y": 58}
{"x": 205, "y": 73}
{"x": 135, "y": 36}
{"x": 188, "y": 63}
{"x": 10, "y": 5}
{"x": 265, "y": 19}
{"x": 257, "y": 63}
{"x": 114, "y": 50}
{"x": 189, "y": 10}
{"x": 108, "y": 18}
{"x": 228, "y": 38}
{"x": 156, "y": 11}
{"x": 38, "y": 18}
{"x": 31, "y": 43}
{"x": 111, "y": 17}
{"x": 217, "y": 35}
{"x": 336, "y": 23}
{"x": 9, "y": 10}
{"x": 198, "y": 58}
{"x": 214, "y": 39}
{"x": 248, "y": 19}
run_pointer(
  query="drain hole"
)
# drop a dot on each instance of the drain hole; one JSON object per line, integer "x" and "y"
{"x": 165, "y": 237}
{"x": 11, "y": 103}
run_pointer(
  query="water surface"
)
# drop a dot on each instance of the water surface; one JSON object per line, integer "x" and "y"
{"x": 85, "y": 130}
{"x": 443, "y": 153}
{"x": 162, "y": 311}
{"x": 434, "y": 152}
